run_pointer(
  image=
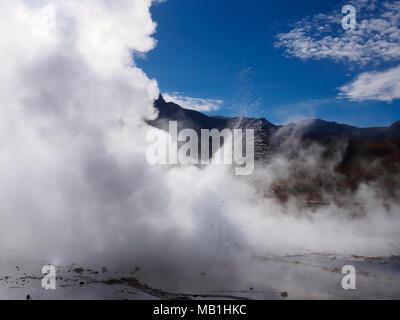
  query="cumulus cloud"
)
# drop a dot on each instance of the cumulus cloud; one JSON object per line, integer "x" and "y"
{"x": 198, "y": 104}
{"x": 375, "y": 40}
{"x": 380, "y": 86}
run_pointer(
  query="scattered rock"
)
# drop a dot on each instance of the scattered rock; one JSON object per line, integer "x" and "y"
{"x": 78, "y": 270}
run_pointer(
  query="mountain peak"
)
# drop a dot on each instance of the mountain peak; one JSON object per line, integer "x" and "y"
{"x": 311, "y": 128}
{"x": 396, "y": 124}
{"x": 160, "y": 99}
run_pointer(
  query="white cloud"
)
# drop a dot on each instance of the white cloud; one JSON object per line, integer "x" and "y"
{"x": 376, "y": 39}
{"x": 198, "y": 104}
{"x": 380, "y": 86}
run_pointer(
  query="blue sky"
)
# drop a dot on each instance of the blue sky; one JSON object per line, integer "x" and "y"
{"x": 272, "y": 59}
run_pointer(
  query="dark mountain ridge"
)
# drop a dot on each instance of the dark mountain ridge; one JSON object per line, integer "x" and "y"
{"x": 344, "y": 156}
{"x": 312, "y": 128}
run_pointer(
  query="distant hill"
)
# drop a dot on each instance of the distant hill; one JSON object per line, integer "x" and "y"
{"x": 313, "y": 128}
{"x": 358, "y": 154}
{"x": 270, "y": 137}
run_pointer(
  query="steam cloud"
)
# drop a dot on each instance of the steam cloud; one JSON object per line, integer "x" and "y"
{"x": 74, "y": 182}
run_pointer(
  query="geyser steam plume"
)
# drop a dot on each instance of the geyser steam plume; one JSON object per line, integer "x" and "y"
{"x": 74, "y": 182}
